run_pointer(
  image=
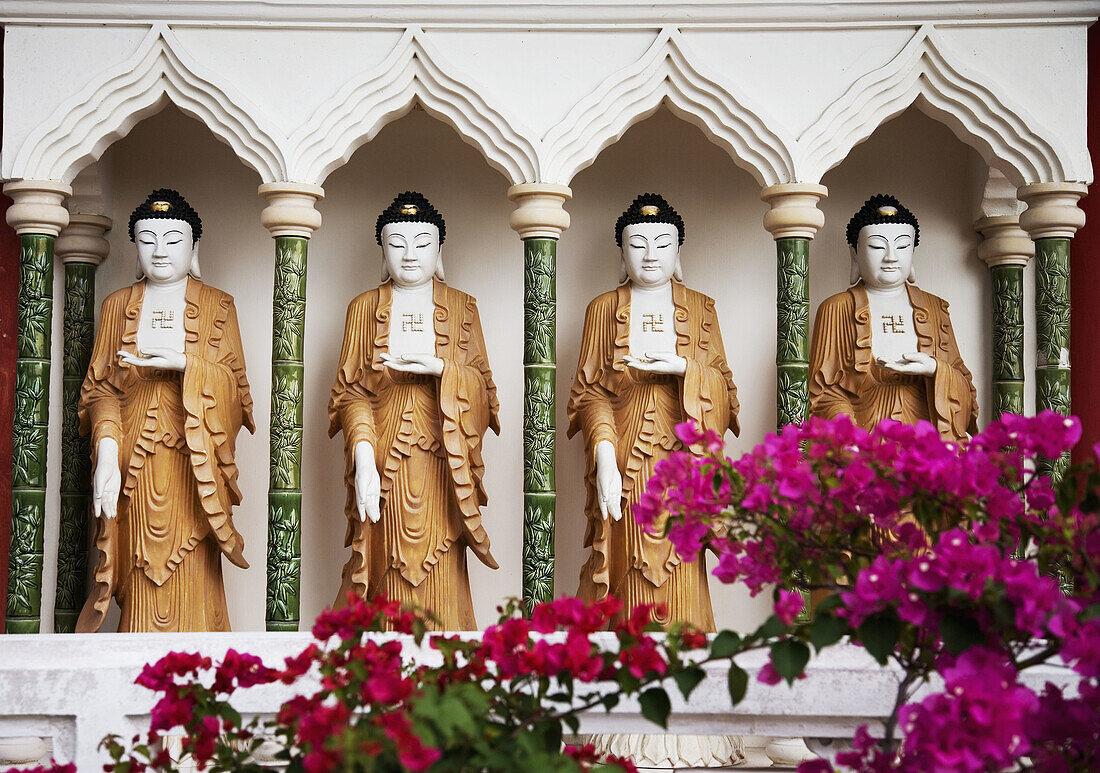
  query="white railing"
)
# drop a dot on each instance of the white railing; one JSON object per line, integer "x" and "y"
{"x": 60, "y": 694}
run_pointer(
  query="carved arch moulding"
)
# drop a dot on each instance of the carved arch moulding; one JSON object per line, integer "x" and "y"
{"x": 160, "y": 70}
{"x": 668, "y": 73}
{"x": 968, "y": 103}
{"x": 665, "y": 75}
{"x": 412, "y": 73}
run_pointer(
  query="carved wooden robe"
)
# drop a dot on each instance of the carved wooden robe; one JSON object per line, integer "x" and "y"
{"x": 176, "y": 434}
{"x": 638, "y": 414}
{"x": 844, "y": 377}
{"x": 426, "y": 432}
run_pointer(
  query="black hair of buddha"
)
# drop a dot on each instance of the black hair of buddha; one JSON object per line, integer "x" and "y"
{"x": 167, "y": 204}
{"x": 871, "y": 214}
{"x": 633, "y": 215}
{"x": 422, "y": 211}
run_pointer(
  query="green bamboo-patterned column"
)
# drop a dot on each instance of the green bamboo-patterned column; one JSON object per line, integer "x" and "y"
{"x": 539, "y": 220}
{"x": 291, "y": 219}
{"x": 80, "y": 248}
{"x": 1052, "y": 218}
{"x": 37, "y": 216}
{"x": 1006, "y": 249}
{"x": 793, "y": 220}
{"x": 792, "y": 332}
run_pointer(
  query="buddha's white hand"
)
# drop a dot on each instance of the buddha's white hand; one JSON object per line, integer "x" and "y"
{"x": 368, "y": 486}
{"x": 424, "y": 364}
{"x": 609, "y": 481}
{"x": 156, "y": 357}
{"x": 912, "y": 363}
{"x": 107, "y": 479}
{"x": 658, "y": 362}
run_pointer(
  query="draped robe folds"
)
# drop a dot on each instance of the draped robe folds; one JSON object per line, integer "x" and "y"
{"x": 176, "y": 434}
{"x": 426, "y": 432}
{"x": 638, "y": 414}
{"x": 845, "y": 379}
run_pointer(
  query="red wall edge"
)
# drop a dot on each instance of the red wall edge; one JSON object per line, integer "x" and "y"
{"x": 1085, "y": 279}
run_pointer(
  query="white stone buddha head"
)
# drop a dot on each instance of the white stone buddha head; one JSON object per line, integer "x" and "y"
{"x": 649, "y": 234}
{"x": 166, "y": 231}
{"x": 882, "y": 237}
{"x": 411, "y": 233}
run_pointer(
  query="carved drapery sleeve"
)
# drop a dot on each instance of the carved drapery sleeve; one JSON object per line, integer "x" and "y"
{"x": 952, "y": 400}
{"x": 832, "y": 358}
{"x": 218, "y": 403}
{"x": 589, "y": 407}
{"x": 708, "y": 395}
{"x": 468, "y": 405}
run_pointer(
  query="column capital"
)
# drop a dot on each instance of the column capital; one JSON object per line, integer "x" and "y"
{"x": 1052, "y": 210}
{"x": 794, "y": 213}
{"x": 540, "y": 210}
{"x": 290, "y": 208}
{"x": 1004, "y": 242}
{"x": 39, "y": 206}
{"x": 82, "y": 240}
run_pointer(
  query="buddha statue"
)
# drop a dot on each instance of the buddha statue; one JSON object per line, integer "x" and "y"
{"x": 651, "y": 357}
{"x": 164, "y": 398}
{"x": 884, "y": 348}
{"x": 413, "y": 397}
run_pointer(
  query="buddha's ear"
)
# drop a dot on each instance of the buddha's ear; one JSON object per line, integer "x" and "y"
{"x": 623, "y": 276}
{"x": 853, "y": 274}
{"x": 678, "y": 269}
{"x": 439, "y": 267}
{"x": 193, "y": 269}
{"x": 912, "y": 278}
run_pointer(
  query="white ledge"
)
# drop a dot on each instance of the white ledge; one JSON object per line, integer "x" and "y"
{"x": 356, "y": 13}
{"x": 74, "y": 689}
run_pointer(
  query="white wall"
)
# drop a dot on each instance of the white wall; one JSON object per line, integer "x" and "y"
{"x": 727, "y": 254}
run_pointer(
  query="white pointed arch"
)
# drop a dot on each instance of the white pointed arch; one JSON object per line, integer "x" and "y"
{"x": 924, "y": 74}
{"x": 664, "y": 75}
{"x": 159, "y": 71}
{"x": 412, "y": 73}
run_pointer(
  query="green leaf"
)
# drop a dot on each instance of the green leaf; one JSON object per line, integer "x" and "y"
{"x": 656, "y": 706}
{"x": 725, "y": 644}
{"x": 959, "y": 633}
{"x": 790, "y": 657}
{"x": 551, "y": 735}
{"x": 688, "y": 679}
{"x": 610, "y": 701}
{"x": 738, "y": 683}
{"x": 879, "y": 635}
{"x": 826, "y": 630}
{"x": 771, "y": 628}
{"x": 628, "y": 681}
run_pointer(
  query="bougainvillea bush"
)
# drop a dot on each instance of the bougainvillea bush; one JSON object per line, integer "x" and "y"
{"x": 497, "y": 701}
{"x": 945, "y": 563}
{"x": 940, "y": 560}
